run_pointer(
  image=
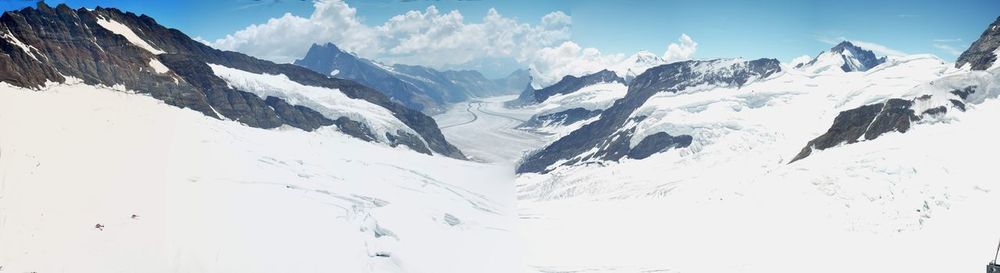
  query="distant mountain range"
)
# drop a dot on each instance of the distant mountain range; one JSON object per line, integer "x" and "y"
{"x": 418, "y": 87}
{"x": 632, "y": 127}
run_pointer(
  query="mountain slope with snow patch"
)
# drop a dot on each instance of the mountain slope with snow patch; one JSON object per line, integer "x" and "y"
{"x": 113, "y": 181}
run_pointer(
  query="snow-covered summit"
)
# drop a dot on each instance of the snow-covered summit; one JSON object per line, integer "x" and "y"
{"x": 845, "y": 57}
{"x": 636, "y": 64}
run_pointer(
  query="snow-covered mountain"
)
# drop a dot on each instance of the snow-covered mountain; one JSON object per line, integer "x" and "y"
{"x": 609, "y": 137}
{"x": 129, "y": 147}
{"x": 108, "y": 47}
{"x": 870, "y": 168}
{"x": 636, "y": 64}
{"x": 929, "y": 102}
{"x": 845, "y": 57}
{"x": 562, "y": 113}
{"x": 567, "y": 85}
{"x": 569, "y": 103}
{"x": 417, "y": 87}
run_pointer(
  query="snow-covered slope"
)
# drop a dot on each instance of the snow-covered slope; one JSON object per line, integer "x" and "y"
{"x": 112, "y": 181}
{"x": 125, "y": 31}
{"x": 331, "y": 103}
{"x": 608, "y": 137}
{"x": 913, "y": 202}
{"x": 570, "y": 103}
{"x": 785, "y": 110}
{"x": 564, "y": 113}
{"x": 109, "y": 47}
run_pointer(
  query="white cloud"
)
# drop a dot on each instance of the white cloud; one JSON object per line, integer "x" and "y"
{"x": 201, "y": 40}
{"x": 800, "y": 59}
{"x": 434, "y": 38}
{"x": 429, "y": 37}
{"x": 948, "y": 48}
{"x": 287, "y": 37}
{"x": 948, "y": 45}
{"x": 877, "y": 48}
{"x": 550, "y": 64}
{"x": 680, "y": 52}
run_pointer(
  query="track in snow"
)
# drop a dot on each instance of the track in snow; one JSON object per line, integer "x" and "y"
{"x": 489, "y": 134}
{"x": 499, "y": 114}
{"x": 474, "y": 117}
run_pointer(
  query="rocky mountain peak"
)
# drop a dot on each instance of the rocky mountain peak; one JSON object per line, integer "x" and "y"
{"x": 570, "y": 84}
{"x": 982, "y": 54}
{"x": 845, "y": 45}
{"x": 846, "y": 56}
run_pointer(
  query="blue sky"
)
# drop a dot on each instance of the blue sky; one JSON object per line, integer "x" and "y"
{"x": 752, "y": 29}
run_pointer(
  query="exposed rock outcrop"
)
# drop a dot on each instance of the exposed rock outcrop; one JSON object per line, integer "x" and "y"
{"x": 982, "y": 54}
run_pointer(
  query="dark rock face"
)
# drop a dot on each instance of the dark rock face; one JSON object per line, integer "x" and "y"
{"x": 302, "y": 116}
{"x": 570, "y": 84}
{"x": 607, "y": 134}
{"x": 657, "y": 143}
{"x": 328, "y": 59}
{"x": 66, "y": 42}
{"x": 980, "y": 54}
{"x": 525, "y": 98}
{"x": 868, "y": 122}
{"x": 514, "y": 82}
{"x": 408, "y": 140}
{"x": 873, "y": 120}
{"x": 417, "y": 87}
{"x": 964, "y": 92}
{"x": 566, "y": 117}
{"x": 865, "y": 57}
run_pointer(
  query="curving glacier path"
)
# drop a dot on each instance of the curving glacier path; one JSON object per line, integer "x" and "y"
{"x": 485, "y": 130}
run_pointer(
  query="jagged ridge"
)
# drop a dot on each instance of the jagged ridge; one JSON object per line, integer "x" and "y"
{"x": 46, "y": 44}
{"x": 608, "y": 139}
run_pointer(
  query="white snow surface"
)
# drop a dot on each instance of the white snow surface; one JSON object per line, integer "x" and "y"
{"x": 158, "y": 66}
{"x": 914, "y": 202}
{"x": 211, "y": 195}
{"x": 123, "y": 30}
{"x": 597, "y": 96}
{"x": 332, "y": 103}
{"x": 996, "y": 62}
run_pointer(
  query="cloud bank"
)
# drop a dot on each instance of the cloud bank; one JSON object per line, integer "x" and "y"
{"x": 433, "y": 38}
